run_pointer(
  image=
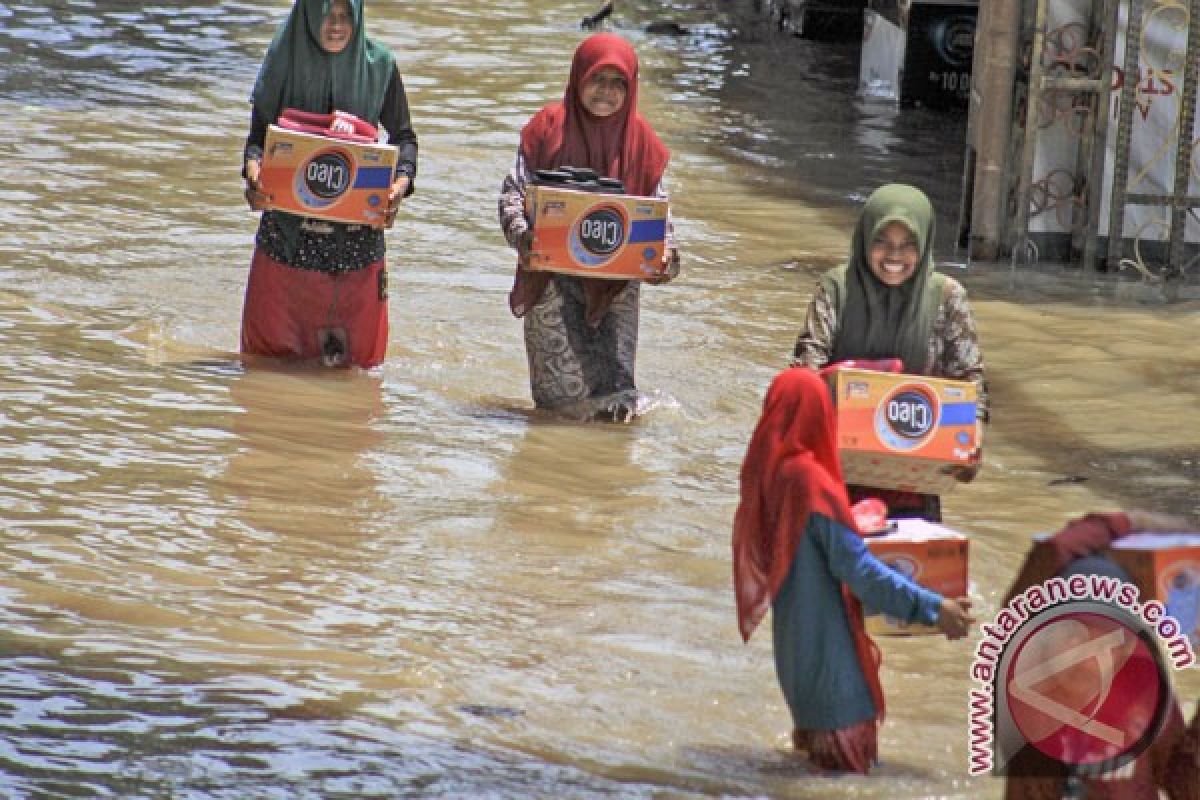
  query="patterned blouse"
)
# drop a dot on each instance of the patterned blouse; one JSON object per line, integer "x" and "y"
{"x": 512, "y": 209}
{"x": 953, "y": 344}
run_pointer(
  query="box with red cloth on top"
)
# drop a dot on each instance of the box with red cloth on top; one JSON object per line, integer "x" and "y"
{"x": 586, "y": 225}
{"x": 899, "y": 431}
{"x": 327, "y": 166}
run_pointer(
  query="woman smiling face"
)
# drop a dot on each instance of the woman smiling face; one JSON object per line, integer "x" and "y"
{"x": 604, "y": 92}
{"x": 893, "y": 254}
{"x": 337, "y": 29}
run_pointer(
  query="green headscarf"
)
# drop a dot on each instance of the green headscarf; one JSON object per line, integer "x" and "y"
{"x": 880, "y": 321}
{"x": 298, "y": 73}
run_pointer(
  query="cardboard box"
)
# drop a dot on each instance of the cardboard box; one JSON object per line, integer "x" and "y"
{"x": 326, "y": 178}
{"x": 1165, "y": 567}
{"x": 596, "y": 235}
{"x": 902, "y": 432}
{"x": 932, "y": 555}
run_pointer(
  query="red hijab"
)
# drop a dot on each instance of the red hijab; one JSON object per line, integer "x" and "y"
{"x": 1086, "y": 536}
{"x": 622, "y": 145}
{"x": 792, "y": 470}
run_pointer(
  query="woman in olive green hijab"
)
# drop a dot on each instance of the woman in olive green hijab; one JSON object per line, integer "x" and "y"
{"x": 318, "y": 290}
{"x": 888, "y": 302}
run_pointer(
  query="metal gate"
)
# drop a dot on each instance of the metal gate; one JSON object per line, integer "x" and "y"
{"x": 1064, "y": 87}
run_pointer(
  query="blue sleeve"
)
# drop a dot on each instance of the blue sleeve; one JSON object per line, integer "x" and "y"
{"x": 878, "y": 586}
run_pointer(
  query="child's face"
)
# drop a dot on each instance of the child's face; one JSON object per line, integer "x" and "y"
{"x": 338, "y": 27}
{"x": 893, "y": 254}
{"x": 604, "y": 93}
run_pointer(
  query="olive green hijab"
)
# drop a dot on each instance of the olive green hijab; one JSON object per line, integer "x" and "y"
{"x": 880, "y": 321}
{"x": 298, "y": 73}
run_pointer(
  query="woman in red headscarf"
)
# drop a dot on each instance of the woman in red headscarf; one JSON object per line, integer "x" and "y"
{"x": 796, "y": 550}
{"x": 581, "y": 333}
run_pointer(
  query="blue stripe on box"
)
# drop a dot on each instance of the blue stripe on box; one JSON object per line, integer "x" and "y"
{"x": 373, "y": 178}
{"x": 647, "y": 230}
{"x": 958, "y": 414}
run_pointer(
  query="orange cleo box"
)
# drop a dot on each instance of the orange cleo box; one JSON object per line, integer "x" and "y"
{"x": 932, "y": 555}
{"x": 899, "y": 431}
{"x": 1165, "y": 567}
{"x": 327, "y": 178}
{"x": 595, "y": 235}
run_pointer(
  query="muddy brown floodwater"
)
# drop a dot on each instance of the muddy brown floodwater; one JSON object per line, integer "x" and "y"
{"x": 226, "y": 582}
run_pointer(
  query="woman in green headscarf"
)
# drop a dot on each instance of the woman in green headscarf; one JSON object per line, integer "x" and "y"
{"x": 318, "y": 290}
{"x": 888, "y": 302}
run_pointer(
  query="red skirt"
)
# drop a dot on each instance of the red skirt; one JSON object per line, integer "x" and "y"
{"x": 339, "y": 318}
{"x": 852, "y": 749}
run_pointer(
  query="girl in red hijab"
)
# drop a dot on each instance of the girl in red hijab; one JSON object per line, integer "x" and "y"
{"x": 581, "y": 333}
{"x": 796, "y": 550}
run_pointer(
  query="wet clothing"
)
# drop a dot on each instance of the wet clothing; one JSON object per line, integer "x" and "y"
{"x": 814, "y": 651}
{"x": 581, "y": 333}
{"x": 793, "y": 551}
{"x": 310, "y": 299}
{"x": 335, "y": 316}
{"x": 574, "y": 367}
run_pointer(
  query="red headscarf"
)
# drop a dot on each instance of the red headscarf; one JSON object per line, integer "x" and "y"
{"x": 622, "y": 145}
{"x": 1086, "y": 536}
{"x": 792, "y": 470}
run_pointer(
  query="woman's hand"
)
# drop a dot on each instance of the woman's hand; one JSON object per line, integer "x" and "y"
{"x": 254, "y": 195}
{"x": 395, "y": 197}
{"x": 965, "y": 473}
{"x": 954, "y": 618}
{"x": 670, "y": 268}
{"x": 524, "y": 245}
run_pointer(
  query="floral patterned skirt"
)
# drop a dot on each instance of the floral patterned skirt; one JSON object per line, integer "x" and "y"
{"x": 577, "y": 369}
